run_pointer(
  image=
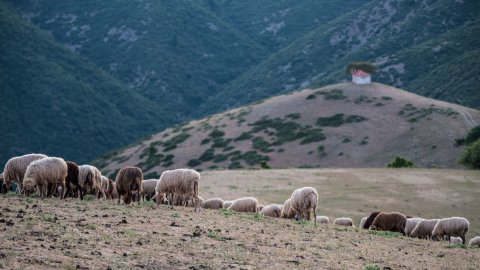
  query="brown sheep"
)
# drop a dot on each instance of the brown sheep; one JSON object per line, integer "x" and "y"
{"x": 71, "y": 181}
{"x": 128, "y": 180}
{"x": 370, "y": 220}
{"x": 393, "y": 221}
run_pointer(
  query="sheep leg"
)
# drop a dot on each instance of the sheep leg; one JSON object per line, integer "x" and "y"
{"x": 104, "y": 195}
{"x": 64, "y": 192}
{"x": 463, "y": 238}
{"x": 138, "y": 195}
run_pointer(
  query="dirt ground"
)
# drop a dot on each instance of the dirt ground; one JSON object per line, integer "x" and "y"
{"x": 73, "y": 234}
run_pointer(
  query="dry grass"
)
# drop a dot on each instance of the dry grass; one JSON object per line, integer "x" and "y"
{"x": 99, "y": 234}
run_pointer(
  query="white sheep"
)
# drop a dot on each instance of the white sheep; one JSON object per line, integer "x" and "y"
{"x": 453, "y": 226}
{"x": 180, "y": 181}
{"x": 304, "y": 201}
{"x": 474, "y": 242}
{"x": 104, "y": 185}
{"x": 90, "y": 180}
{"x": 148, "y": 188}
{"x": 272, "y": 210}
{"x": 455, "y": 240}
{"x": 44, "y": 172}
{"x": 245, "y": 204}
{"x": 189, "y": 202}
{"x": 287, "y": 211}
{"x": 226, "y": 204}
{"x": 410, "y": 225}
{"x": 424, "y": 229}
{"x": 343, "y": 221}
{"x": 362, "y": 222}
{"x": 214, "y": 203}
{"x": 15, "y": 168}
{"x": 323, "y": 219}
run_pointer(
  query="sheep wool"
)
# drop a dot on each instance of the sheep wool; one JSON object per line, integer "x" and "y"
{"x": 323, "y": 219}
{"x": 226, "y": 204}
{"x": 246, "y": 204}
{"x": 304, "y": 201}
{"x": 15, "y": 168}
{"x": 453, "y": 226}
{"x": 410, "y": 225}
{"x": 370, "y": 220}
{"x": 272, "y": 210}
{"x": 393, "y": 221}
{"x": 183, "y": 182}
{"x": 424, "y": 228}
{"x": 344, "y": 221}
{"x": 287, "y": 211}
{"x": 129, "y": 179}
{"x": 474, "y": 242}
{"x": 44, "y": 172}
{"x": 71, "y": 181}
{"x": 362, "y": 222}
{"x": 214, "y": 203}
{"x": 148, "y": 188}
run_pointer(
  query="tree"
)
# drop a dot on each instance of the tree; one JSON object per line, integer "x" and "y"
{"x": 365, "y": 66}
{"x": 471, "y": 157}
{"x": 400, "y": 162}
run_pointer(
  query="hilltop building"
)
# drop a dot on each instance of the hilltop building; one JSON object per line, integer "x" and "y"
{"x": 360, "y": 77}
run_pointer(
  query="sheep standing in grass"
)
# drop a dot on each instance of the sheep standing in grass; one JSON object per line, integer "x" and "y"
{"x": 410, "y": 225}
{"x": 287, "y": 211}
{"x": 189, "y": 202}
{"x": 370, "y": 220}
{"x": 45, "y": 172}
{"x": 103, "y": 187}
{"x": 455, "y": 240}
{"x": 454, "y": 226}
{"x": 112, "y": 190}
{"x": 424, "y": 229}
{"x": 362, "y": 222}
{"x": 474, "y": 242}
{"x": 180, "y": 181}
{"x": 214, "y": 203}
{"x": 90, "y": 179}
{"x": 148, "y": 188}
{"x": 323, "y": 220}
{"x": 344, "y": 221}
{"x": 128, "y": 180}
{"x": 304, "y": 201}
{"x": 71, "y": 181}
{"x": 393, "y": 222}
{"x": 272, "y": 210}
{"x": 15, "y": 168}
{"x": 245, "y": 204}
{"x": 226, "y": 204}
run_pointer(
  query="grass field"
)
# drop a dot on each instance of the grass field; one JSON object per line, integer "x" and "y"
{"x": 75, "y": 234}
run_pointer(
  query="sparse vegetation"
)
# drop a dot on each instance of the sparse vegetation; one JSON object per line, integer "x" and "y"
{"x": 400, "y": 162}
{"x": 471, "y": 156}
{"x": 338, "y": 120}
{"x": 174, "y": 141}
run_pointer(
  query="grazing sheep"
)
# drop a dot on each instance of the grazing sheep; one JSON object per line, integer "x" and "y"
{"x": 424, "y": 229}
{"x": 128, "y": 180}
{"x": 474, "y": 242}
{"x": 15, "y": 168}
{"x": 3, "y": 187}
{"x": 323, "y": 220}
{"x": 455, "y": 240}
{"x": 272, "y": 210}
{"x": 90, "y": 180}
{"x": 148, "y": 188}
{"x": 44, "y": 172}
{"x": 287, "y": 211}
{"x": 189, "y": 202}
{"x": 214, "y": 203}
{"x": 260, "y": 207}
{"x": 71, "y": 181}
{"x": 245, "y": 204}
{"x": 370, "y": 220}
{"x": 362, "y": 222}
{"x": 303, "y": 201}
{"x": 410, "y": 225}
{"x": 112, "y": 190}
{"x": 393, "y": 222}
{"x": 343, "y": 221}
{"x": 104, "y": 183}
{"x": 226, "y": 204}
{"x": 180, "y": 181}
{"x": 454, "y": 226}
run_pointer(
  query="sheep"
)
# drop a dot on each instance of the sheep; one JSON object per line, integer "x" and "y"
{"x": 189, "y": 202}
{"x": 260, "y": 207}
{"x": 214, "y": 203}
{"x": 455, "y": 240}
{"x": 90, "y": 180}
{"x": 389, "y": 221}
{"x": 323, "y": 219}
{"x": 71, "y": 181}
{"x": 148, "y": 188}
{"x": 474, "y": 242}
{"x": 343, "y": 221}
{"x": 15, "y": 168}
{"x": 272, "y": 210}
{"x": 180, "y": 181}
{"x": 424, "y": 228}
{"x": 362, "y": 222}
{"x": 304, "y": 200}
{"x": 410, "y": 225}
{"x": 226, "y": 204}
{"x": 104, "y": 183}
{"x": 287, "y": 211}
{"x": 3, "y": 187}
{"x": 44, "y": 172}
{"x": 370, "y": 220}
{"x": 112, "y": 190}
{"x": 128, "y": 180}
{"x": 245, "y": 204}
{"x": 453, "y": 226}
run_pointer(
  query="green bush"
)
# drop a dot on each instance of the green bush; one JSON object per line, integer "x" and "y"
{"x": 473, "y": 135}
{"x": 264, "y": 165}
{"x": 208, "y": 155}
{"x": 314, "y": 135}
{"x": 332, "y": 121}
{"x": 194, "y": 163}
{"x": 471, "y": 156}
{"x": 400, "y": 162}
{"x": 260, "y": 144}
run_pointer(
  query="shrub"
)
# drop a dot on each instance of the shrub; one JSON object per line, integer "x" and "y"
{"x": 209, "y": 154}
{"x": 473, "y": 135}
{"x": 332, "y": 121}
{"x": 264, "y": 165}
{"x": 194, "y": 162}
{"x": 314, "y": 135}
{"x": 244, "y": 136}
{"x": 216, "y": 133}
{"x": 311, "y": 96}
{"x": 471, "y": 157}
{"x": 400, "y": 162}
{"x": 260, "y": 144}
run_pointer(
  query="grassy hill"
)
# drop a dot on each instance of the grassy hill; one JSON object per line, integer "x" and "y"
{"x": 100, "y": 234}
{"x": 57, "y": 103}
{"x": 341, "y": 125}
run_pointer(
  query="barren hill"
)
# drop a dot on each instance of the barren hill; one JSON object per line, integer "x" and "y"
{"x": 342, "y": 125}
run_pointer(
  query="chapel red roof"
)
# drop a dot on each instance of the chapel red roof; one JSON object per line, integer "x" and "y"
{"x": 360, "y": 73}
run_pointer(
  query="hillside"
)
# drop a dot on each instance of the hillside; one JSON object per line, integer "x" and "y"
{"x": 406, "y": 39}
{"x": 54, "y": 102}
{"x": 341, "y": 125}
{"x": 100, "y": 234}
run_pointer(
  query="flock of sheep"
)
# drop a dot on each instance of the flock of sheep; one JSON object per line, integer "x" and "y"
{"x": 53, "y": 176}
